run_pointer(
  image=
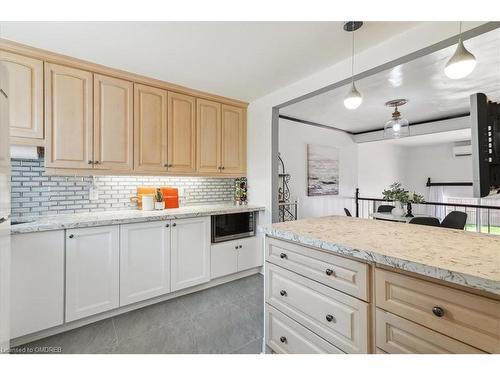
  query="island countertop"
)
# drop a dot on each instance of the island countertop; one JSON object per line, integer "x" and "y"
{"x": 92, "y": 219}
{"x": 463, "y": 258}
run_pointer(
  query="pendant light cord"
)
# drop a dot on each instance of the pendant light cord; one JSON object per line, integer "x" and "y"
{"x": 352, "y": 59}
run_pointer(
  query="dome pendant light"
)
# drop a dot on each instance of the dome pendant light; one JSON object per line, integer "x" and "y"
{"x": 353, "y": 98}
{"x": 397, "y": 127}
{"x": 462, "y": 63}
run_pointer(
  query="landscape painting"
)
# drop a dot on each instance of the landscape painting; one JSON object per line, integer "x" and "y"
{"x": 322, "y": 170}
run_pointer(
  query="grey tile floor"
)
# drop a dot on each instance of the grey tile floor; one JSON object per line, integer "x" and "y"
{"x": 224, "y": 319}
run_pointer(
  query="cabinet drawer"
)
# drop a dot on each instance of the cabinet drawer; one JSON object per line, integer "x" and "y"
{"x": 467, "y": 317}
{"x": 346, "y": 275}
{"x": 285, "y": 336}
{"x": 396, "y": 335}
{"x": 335, "y": 316}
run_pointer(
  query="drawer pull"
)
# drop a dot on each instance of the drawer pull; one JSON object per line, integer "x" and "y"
{"x": 167, "y": 225}
{"x": 283, "y": 293}
{"x": 283, "y": 339}
{"x": 438, "y": 311}
{"x": 330, "y": 318}
{"x": 329, "y": 272}
{"x": 71, "y": 236}
{"x": 283, "y": 256}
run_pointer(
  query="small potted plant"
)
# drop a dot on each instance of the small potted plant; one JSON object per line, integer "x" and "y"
{"x": 400, "y": 197}
{"x": 159, "y": 202}
{"x": 415, "y": 198}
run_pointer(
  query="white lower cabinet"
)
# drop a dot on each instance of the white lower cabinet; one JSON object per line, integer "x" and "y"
{"x": 92, "y": 271}
{"x": 223, "y": 259}
{"x": 235, "y": 256}
{"x": 37, "y": 284}
{"x": 144, "y": 261}
{"x": 190, "y": 252}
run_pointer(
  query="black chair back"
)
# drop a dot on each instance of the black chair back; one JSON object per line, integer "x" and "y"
{"x": 347, "y": 212}
{"x": 432, "y": 221}
{"x": 385, "y": 208}
{"x": 455, "y": 220}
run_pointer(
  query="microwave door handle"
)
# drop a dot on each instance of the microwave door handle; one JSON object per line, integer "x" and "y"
{"x": 4, "y": 219}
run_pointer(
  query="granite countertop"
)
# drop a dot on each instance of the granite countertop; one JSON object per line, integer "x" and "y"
{"x": 464, "y": 258}
{"x": 92, "y": 219}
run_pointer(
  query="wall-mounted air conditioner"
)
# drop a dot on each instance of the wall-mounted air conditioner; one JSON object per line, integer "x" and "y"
{"x": 459, "y": 151}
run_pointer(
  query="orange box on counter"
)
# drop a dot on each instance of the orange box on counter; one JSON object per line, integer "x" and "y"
{"x": 170, "y": 196}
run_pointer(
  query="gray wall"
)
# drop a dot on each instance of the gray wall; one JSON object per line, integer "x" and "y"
{"x": 35, "y": 194}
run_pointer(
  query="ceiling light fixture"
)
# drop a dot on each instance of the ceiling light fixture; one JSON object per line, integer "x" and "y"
{"x": 397, "y": 126}
{"x": 353, "y": 99}
{"x": 462, "y": 63}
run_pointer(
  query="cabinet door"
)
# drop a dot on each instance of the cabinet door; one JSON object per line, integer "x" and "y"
{"x": 113, "y": 123}
{"x": 190, "y": 252}
{"x": 144, "y": 261}
{"x": 181, "y": 133}
{"x": 250, "y": 253}
{"x": 92, "y": 271}
{"x": 223, "y": 259}
{"x": 68, "y": 111}
{"x": 150, "y": 129}
{"x": 233, "y": 140}
{"x": 25, "y": 95}
{"x": 208, "y": 135}
{"x": 37, "y": 284}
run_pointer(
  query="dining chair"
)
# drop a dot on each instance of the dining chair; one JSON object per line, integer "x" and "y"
{"x": 347, "y": 212}
{"x": 385, "y": 208}
{"x": 422, "y": 220}
{"x": 455, "y": 220}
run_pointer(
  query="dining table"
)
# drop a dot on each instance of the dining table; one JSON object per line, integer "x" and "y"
{"x": 390, "y": 217}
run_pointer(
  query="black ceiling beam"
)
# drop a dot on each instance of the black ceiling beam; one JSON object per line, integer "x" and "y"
{"x": 284, "y": 117}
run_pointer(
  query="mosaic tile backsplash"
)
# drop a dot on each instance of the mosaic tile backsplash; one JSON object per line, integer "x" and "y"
{"x": 35, "y": 194}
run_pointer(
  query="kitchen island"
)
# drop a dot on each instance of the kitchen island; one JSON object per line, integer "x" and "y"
{"x": 364, "y": 286}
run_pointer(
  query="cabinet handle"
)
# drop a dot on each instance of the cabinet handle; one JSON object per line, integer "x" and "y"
{"x": 283, "y": 256}
{"x": 174, "y": 225}
{"x": 240, "y": 246}
{"x": 165, "y": 165}
{"x": 96, "y": 162}
{"x": 438, "y": 311}
{"x": 221, "y": 167}
{"x": 236, "y": 247}
{"x": 329, "y": 272}
{"x": 168, "y": 225}
{"x": 283, "y": 339}
{"x": 283, "y": 293}
{"x": 330, "y": 318}
{"x": 89, "y": 162}
{"x": 170, "y": 165}
{"x": 71, "y": 236}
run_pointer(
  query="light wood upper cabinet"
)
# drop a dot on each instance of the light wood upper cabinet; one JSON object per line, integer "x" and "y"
{"x": 113, "y": 123}
{"x": 68, "y": 117}
{"x": 25, "y": 96}
{"x": 233, "y": 140}
{"x": 208, "y": 136}
{"x": 150, "y": 129}
{"x": 181, "y": 133}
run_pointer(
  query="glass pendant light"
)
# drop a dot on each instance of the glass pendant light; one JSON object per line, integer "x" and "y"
{"x": 353, "y": 98}
{"x": 462, "y": 63}
{"x": 397, "y": 126}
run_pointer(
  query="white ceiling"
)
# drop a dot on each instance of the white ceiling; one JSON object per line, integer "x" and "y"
{"x": 243, "y": 60}
{"x": 422, "y": 81}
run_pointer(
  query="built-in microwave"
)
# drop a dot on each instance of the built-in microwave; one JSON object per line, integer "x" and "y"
{"x": 228, "y": 227}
